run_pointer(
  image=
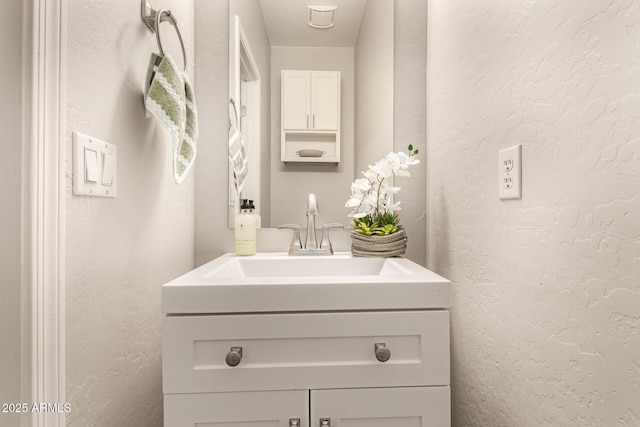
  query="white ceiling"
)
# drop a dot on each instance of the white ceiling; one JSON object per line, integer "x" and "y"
{"x": 286, "y": 22}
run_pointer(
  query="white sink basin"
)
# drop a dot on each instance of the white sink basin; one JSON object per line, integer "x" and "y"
{"x": 301, "y": 266}
{"x": 276, "y": 282}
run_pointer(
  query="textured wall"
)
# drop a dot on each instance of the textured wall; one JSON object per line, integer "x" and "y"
{"x": 546, "y": 289}
{"x": 409, "y": 118}
{"x": 120, "y": 251}
{"x": 212, "y": 237}
{"x": 10, "y": 215}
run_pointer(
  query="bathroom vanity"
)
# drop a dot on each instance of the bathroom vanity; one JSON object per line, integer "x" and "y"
{"x": 275, "y": 340}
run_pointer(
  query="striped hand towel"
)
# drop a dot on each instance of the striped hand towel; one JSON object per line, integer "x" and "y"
{"x": 171, "y": 100}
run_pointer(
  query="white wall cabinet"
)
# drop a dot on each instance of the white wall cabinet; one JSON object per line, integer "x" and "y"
{"x": 296, "y": 100}
{"x": 310, "y": 100}
{"x": 310, "y": 104}
{"x": 307, "y": 369}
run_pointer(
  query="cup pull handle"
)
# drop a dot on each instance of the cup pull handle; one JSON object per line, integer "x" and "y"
{"x": 294, "y": 422}
{"x": 325, "y": 422}
{"x": 234, "y": 356}
{"x": 382, "y": 352}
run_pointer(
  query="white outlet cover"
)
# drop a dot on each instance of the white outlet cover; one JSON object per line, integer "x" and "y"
{"x": 94, "y": 167}
{"x": 510, "y": 173}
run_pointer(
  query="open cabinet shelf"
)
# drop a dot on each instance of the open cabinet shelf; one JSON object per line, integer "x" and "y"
{"x": 311, "y": 147}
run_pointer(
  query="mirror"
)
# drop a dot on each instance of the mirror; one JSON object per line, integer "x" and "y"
{"x": 269, "y": 36}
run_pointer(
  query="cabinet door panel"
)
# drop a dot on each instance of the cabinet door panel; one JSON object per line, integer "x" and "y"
{"x": 382, "y": 407}
{"x": 325, "y": 98}
{"x": 248, "y": 409}
{"x": 296, "y": 89}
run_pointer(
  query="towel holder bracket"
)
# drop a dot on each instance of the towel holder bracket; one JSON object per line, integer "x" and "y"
{"x": 149, "y": 16}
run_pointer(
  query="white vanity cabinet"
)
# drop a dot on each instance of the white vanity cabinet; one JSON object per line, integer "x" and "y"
{"x": 277, "y": 341}
{"x": 327, "y": 363}
{"x": 310, "y": 112}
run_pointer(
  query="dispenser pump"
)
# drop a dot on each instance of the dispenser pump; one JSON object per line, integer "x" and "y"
{"x": 252, "y": 209}
{"x": 245, "y": 230}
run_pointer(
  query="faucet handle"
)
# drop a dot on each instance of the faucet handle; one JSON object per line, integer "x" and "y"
{"x": 296, "y": 243}
{"x": 325, "y": 243}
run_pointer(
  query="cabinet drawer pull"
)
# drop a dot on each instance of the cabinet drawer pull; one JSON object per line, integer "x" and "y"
{"x": 325, "y": 422}
{"x": 382, "y": 352}
{"x": 234, "y": 356}
{"x": 294, "y": 422}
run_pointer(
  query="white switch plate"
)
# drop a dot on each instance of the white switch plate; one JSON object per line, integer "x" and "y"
{"x": 94, "y": 167}
{"x": 510, "y": 173}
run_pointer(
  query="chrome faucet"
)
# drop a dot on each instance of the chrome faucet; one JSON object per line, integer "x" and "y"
{"x": 312, "y": 211}
{"x": 311, "y": 246}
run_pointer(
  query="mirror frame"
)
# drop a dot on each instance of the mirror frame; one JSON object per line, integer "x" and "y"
{"x": 241, "y": 60}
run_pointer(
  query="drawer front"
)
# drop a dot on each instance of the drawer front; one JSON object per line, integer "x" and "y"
{"x": 305, "y": 351}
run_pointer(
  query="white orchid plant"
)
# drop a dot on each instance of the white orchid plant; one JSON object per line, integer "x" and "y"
{"x": 372, "y": 196}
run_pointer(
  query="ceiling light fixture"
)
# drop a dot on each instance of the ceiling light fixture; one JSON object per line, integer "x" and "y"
{"x": 322, "y": 16}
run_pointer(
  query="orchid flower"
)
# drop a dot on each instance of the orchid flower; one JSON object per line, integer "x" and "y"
{"x": 372, "y": 196}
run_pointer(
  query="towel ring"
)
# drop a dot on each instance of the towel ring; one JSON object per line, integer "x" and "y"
{"x": 169, "y": 17}
{"x": 152, "y": 18}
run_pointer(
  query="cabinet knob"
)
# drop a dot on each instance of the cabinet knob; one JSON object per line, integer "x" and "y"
{"x": 234, "y": 356}
{"x": 325, "y": 422}
{"x": 382, "y": 352}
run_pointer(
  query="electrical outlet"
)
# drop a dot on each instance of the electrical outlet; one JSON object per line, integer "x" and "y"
{"x": 510, "y": 173}
{"x": 508, "y": 164}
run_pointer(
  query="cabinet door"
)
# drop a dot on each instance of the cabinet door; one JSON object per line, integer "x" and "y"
{"x": 325, "y": 100}
{"x": 296, "y": 90}
{"x": 247, "y": 409}
{"x": 381, "y": 407}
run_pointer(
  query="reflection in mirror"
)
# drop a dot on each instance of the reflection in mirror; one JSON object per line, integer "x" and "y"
{"x": 269, "y": 36}
{"x": 245, "y": 108}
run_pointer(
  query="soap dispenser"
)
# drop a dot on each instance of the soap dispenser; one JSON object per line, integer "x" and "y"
{"x": 245, "y": 230}
{"x": 252, "y": 208}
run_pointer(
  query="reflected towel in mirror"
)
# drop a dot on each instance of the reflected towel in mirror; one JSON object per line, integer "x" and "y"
{"x": 238, "y": 158}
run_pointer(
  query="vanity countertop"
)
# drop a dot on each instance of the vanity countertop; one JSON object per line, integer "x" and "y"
{"x": 276, "y": 282}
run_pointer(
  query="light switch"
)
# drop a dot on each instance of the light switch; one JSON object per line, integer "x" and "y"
{"x": 108, "y": 166}
{"x": 94, "y": 167}
{"x": 90, "y": 166}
